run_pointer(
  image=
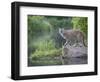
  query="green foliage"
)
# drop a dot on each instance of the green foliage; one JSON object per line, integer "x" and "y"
{"x": 37, "y": 27}
{"x": 80, "y": 23}
{"x": 45, "y": 48}
{"x": 37, "y": 24}
{"x": 45, "y": 44}
{"x": 60, "y": 22}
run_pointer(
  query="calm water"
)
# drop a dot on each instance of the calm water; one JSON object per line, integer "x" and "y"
{"x": 57, "y": 61}
{"x": 76, "y": 60}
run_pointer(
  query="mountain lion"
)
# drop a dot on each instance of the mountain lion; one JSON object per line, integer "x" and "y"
{"x": 72, "y": 37}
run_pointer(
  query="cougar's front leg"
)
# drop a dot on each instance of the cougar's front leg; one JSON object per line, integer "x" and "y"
{"x": 62, "y": 56}
{"x": 67, "y": 42}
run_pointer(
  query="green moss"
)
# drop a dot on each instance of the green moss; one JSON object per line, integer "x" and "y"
{"x": 49, "y": 53}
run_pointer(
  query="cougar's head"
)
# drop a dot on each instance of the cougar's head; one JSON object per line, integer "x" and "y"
{"x": 61, "y": 32}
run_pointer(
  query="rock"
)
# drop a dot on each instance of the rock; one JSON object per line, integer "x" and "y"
{"x": 72, "y": 51}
